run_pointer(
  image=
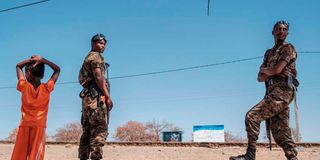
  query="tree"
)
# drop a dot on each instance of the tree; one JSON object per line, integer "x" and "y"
{"x": 133, "y": 131}
{"x": 13, "y": 135}
{"x": 70, "y": 132}
{"x": 230, "y": 137}
{"x": 156, "y": 127}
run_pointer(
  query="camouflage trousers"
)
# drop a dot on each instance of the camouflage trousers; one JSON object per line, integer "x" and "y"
{"x": 94, "y": 121}
{"x": 274, "y": 106}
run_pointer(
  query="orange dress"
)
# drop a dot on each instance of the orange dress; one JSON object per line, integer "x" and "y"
{"x": 30, "y": 141}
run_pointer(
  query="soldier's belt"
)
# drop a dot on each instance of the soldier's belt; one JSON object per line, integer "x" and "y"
{"x": 93, "y": 90}
{"x": 277, "y": 79}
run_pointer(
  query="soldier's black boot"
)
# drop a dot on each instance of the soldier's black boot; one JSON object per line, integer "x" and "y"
{"x": 291, "y": 154}
{"x": 250, "y": 155}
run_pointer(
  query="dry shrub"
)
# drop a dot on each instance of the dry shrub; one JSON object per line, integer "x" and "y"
{"x": 133, "y": 131}
{"x": 70, "y": 132}
{"x": 13, "y": 135}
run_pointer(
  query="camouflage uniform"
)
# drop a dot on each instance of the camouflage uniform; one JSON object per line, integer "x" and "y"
{"x": 94, "y": 119}
{"x": 275, "y": 104}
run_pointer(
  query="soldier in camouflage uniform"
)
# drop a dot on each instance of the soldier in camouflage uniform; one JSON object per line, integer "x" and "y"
{"x": 279, "y": 72}
{"x": 96, "y": 101}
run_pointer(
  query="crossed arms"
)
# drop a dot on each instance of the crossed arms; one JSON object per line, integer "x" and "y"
{"x": 278, "y": 69}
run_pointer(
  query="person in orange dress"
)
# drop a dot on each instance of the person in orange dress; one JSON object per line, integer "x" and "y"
{"x": 35, "y": 97}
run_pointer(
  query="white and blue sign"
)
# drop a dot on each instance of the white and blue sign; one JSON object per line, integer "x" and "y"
{"x": 208, "y": 133}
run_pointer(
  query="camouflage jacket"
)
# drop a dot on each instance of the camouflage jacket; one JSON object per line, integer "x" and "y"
{"x": 280, "y": 87}
{"x": 284, "y": 52}
{"x": 93, "y": 60}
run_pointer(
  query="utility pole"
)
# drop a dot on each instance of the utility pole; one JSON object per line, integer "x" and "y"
{"x": 208, "y": 9}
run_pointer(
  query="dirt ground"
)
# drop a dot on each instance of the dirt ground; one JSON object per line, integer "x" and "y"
{"x": 116, "y": 152}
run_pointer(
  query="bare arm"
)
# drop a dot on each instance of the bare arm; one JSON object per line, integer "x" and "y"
{"x": 101, "y": 82}
{"x": 19, "y": 67}
{"x": 277, "y": 69}
{"x": 262, "y": 77}
{"x": 55, "y": 68}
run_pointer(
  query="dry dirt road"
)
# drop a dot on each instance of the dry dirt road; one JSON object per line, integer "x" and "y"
{"x": 116, "y": 152}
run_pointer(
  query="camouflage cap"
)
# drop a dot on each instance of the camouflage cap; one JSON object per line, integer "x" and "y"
{"x": 98, "y": 37}
{"x": 286, "y": 23}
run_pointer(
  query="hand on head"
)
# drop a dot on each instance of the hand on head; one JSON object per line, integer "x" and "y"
{"x": 37, "y": 59}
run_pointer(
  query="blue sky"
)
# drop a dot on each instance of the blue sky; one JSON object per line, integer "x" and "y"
{"x": 154, "y": 35}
